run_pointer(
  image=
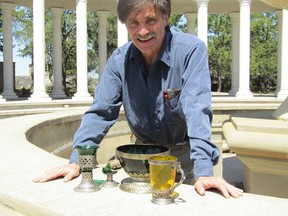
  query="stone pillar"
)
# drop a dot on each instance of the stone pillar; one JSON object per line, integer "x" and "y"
{"x": 39, "y": 93}
{"x": 191, "y": 19}
{"x": 102, "y": 40}
{"x": 58, "y": 91}
{"x": 244, "y": 49}
{"x": 235, "y": 53}
{"x": 122, "y": 33}
{"x": 8, "y": 73}
{"x": 282, "y": 66}
{"x": 2, "y": 100}
{"x": 81, "y": 43}
{"x": 202, "y": 6}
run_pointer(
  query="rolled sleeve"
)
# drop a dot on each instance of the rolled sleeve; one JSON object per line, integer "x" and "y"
{"x": 205, "y": 155}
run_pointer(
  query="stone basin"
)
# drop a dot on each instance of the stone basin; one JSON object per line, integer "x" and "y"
{"x": 262, "y": 146}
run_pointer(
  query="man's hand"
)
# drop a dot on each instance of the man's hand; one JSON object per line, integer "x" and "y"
{"x": 204, "y": 183}
{"x": 68, "y": 171}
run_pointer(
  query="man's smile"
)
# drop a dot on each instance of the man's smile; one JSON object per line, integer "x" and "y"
{"x": 145, "y": 38}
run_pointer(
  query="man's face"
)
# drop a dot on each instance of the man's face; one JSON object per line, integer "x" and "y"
{"x": 146, "y": 29}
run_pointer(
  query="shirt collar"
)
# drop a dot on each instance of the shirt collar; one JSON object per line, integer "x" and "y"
{"x": 164, "y": 55}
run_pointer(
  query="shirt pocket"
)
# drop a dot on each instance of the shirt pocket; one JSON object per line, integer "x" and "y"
{"x": 173, "y": 111}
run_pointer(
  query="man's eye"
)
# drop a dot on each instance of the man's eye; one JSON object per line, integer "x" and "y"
{"x": 151, "y": 21}
{"x": 133, "y": 24}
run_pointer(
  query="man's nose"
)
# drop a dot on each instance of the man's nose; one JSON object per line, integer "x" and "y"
{"x": 143, "y": 30}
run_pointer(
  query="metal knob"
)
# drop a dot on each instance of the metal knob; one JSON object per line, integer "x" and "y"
{"x": 109, "y": 183}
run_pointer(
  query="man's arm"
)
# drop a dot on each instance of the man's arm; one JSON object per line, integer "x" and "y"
{"x": 196, "y": 103}
{"x": 95, "y": 123}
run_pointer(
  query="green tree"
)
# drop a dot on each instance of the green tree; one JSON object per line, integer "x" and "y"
{"x": 177, "y": 22}
{"x": 263, "y": 66}
{"x": 93, "y": 30}
{"x": 219, "y": 49}
{"x": 263, "y": 46}
{"x": 93, "y": 43}
{"x": 23, "y": 33}
{"x": 23, "y": 30}
{"x": 112, "y": 34}
{"x": 68, "y": 31}
{"x": 263, "y": 58}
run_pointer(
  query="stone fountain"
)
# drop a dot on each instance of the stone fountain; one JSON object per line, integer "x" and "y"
{"x": 262, "y": 146}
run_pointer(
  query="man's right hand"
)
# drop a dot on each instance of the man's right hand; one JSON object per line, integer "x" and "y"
{"x": 68, "y": 171}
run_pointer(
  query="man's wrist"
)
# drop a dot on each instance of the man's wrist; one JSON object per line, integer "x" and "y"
{"x": 202, "y": 168}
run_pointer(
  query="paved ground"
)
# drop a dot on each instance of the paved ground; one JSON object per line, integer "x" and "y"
{"x": 233, "y": 170}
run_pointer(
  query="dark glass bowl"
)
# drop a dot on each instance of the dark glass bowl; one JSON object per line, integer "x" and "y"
{"x": 134, "y": 158}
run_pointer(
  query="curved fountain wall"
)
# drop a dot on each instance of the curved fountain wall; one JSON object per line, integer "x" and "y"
{"x": 55, "y": 136}
{"x": 54, "y": 133}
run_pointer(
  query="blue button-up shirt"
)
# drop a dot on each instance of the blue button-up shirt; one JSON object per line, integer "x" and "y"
{"x": 182, "y": 64}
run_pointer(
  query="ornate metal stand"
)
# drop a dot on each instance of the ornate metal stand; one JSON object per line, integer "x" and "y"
{"x": 87, "y": 162}
{"x": 109, "y": 183}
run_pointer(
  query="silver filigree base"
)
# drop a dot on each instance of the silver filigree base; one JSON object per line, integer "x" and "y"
{"x": 133, "y": 186}
{"x": 87, "y": 187}
{"x": 162, "y": 201}
{"x": 87, "y": 184}
{"x": 164, "y": 197}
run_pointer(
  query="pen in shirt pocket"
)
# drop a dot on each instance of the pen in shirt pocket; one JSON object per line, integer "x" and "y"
{"x": 169, "y": 94}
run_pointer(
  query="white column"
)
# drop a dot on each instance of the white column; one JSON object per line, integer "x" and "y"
{"x": 203, "y": 19}
{"x": 191, "y": 19}
{"x": 81, "y": 43}
{"x": 235, "y": 53}
{"x": 8, "y": 72}
{"x": 39, "y": 93}
{"x": 244, "y": 49}
{"x": 58, "y": 91}
{"x": 2, "y": 100}
{"x": 282, "y": 66}
{"x": 102, "y": 40}
{"x": 122, "y": 33}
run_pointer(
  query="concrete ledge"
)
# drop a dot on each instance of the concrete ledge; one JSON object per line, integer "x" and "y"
{"x": 21, "y": 161}
{"x": 264, "y": 154}
{"x": 282, "y": 111}
{"x": 271, "y": 126}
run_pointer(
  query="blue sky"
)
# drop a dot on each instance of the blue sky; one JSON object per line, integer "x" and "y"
{"x": 21, "y": 64}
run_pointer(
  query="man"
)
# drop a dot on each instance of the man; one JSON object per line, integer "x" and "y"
{"x": 162, "y": 80}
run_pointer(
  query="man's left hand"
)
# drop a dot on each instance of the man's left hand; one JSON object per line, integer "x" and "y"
{"x": 204, "y": 183}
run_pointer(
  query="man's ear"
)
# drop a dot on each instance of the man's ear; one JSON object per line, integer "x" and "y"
{"x": 166, "y": 20}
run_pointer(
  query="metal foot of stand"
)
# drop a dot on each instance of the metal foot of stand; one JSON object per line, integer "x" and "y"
{"x": 87, "y": 184}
